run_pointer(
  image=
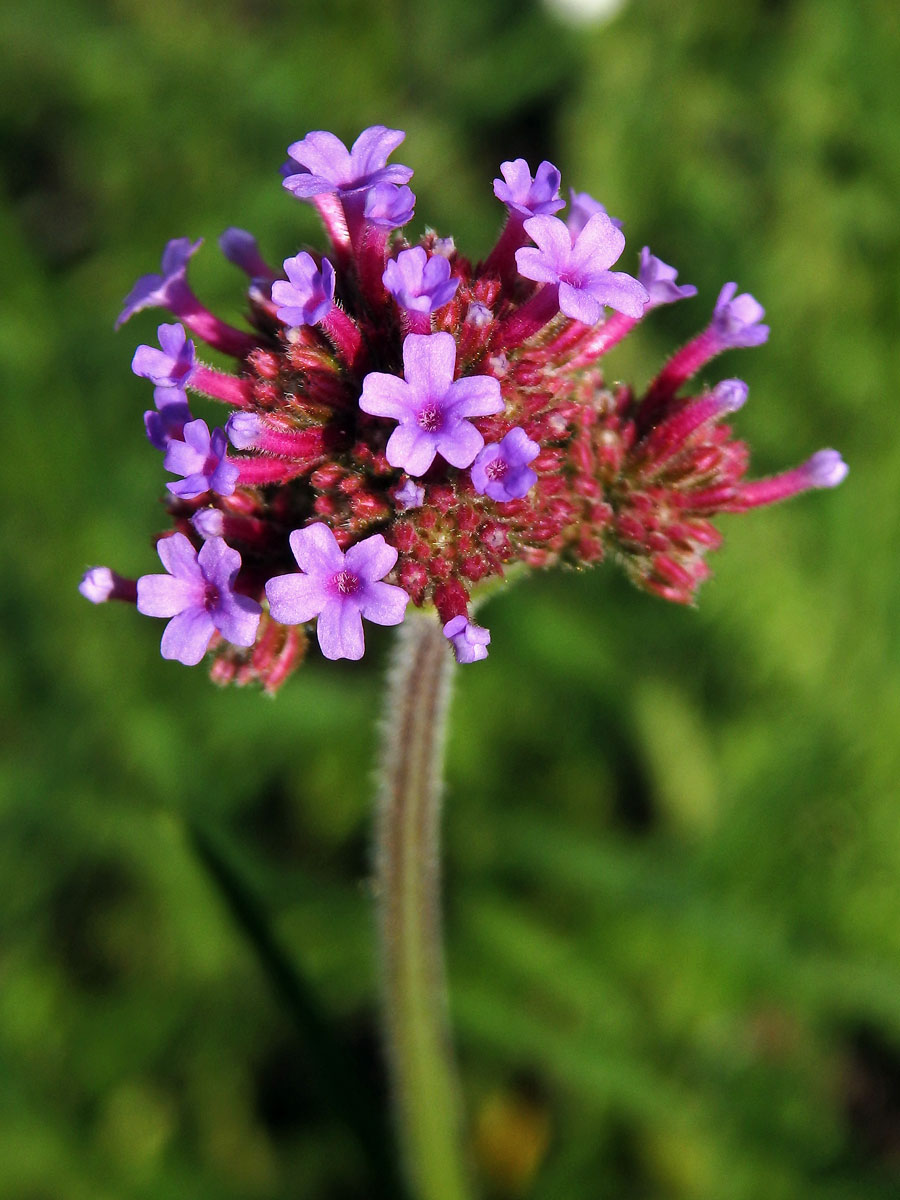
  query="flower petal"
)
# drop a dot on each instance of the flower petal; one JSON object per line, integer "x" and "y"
{"x": 339, "y": 629}
{"x": 294, "y": 599}
{"x": 316, "y": 550}
{"x": 371, "y": 559}
{"x": 384, "y": 604}
{"x": 186, "y": 637}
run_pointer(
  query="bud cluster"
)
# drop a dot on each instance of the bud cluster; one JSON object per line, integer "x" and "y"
{"x": 402, "y": 425}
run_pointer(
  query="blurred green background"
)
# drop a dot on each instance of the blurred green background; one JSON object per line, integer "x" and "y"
{"x": 673, "y": 836}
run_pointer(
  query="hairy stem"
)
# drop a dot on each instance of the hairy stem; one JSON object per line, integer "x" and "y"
{"x": 408, "y": 833}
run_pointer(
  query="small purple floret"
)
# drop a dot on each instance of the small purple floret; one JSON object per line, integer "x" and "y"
{"x": 173, "y": 365}
{"x": 167, "y": 289}
{"x": 579, "y": 268}
{"x": 826, "y": 469}
{"x": 420, "y": 283}
{"x": 431, "y": 407}
{"x": 470, "y": 642}
{"x": 529, "y": 197}
{"x": 326, "y": 165}
{"x": 308, "y": 296}
{"x": 340, "y": 589}
{"x": 736, "y": 320}
{"x": 659, "y": 280}
{"x": 411, "y": 495}
{"x": 389, "y": 206}
{"x": 501, "y": 470}
{"x": 201, "y": 459}
{"x": 198, "y": 595}
{"x": 582, "y": 206}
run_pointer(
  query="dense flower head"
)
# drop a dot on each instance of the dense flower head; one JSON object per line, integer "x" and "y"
{"x": 403, "y": 426}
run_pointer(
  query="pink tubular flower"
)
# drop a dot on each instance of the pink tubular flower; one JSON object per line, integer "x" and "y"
{"x": 198, "y": 595}
{"x": 430, "y": 407}
{"x": 339, "y": 589}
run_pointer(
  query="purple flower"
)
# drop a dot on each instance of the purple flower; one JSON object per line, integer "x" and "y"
{"x": 582, "y": 207}
{"x": 173, "y": 365}
{"x": 501, "y": 470}
{"x": 167, "y": 423}
{"x": 470, "y": 642}
{"x": 200, "y": 458}
{"x": 326, "y": 165}
{"x": 736, "y": 320}
{"x": 198, "y": 594}
{"x": 659, "y": 280}
{"x": 242, "y": 249}
{"x": 430, "y": 406}
{"x": 169, "y": 288}
{"x": 411, "y": 495}
{"x": 529, "y": 197}
{"x": 309, "y": 296}
{"x": 420, "y": 283}
{"x": 580, "y": 267}
{"x": 340, "y": 589}
{"x": 389, "y": 206}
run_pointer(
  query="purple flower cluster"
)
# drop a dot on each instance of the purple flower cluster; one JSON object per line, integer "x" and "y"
{"x": 402, "y": 426}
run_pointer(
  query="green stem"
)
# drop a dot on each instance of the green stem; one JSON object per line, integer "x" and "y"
{"x": 408, "y": 863}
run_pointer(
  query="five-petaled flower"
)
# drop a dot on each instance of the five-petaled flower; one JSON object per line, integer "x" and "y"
{"x": 501, "y": 470}
{"x": 579, "y": 267}
{"x": 431, "y": 407}
{"x": 198, "y": 595}
{"x": 337, "y": 588}
{"x": 202, "y": 460}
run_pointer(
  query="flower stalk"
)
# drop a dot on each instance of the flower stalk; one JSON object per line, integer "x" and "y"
{"x": 426, "y": 1095}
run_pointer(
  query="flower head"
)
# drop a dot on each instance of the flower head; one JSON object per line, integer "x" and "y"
{"x": 201, "y": 459}
{"x": 530, "y": 197}
{"x": 337, "y": 588}
{"x": 579, "y": 267}
{"x": 420, "y": 283}
{"x": 444, "y": 422}
{"x": 198, "y": 595}
{"x": 431, "y": 409}
{"x": 501, "y": 470}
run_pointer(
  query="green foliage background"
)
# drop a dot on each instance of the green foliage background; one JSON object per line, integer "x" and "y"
{"x": 673, "y": 836}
